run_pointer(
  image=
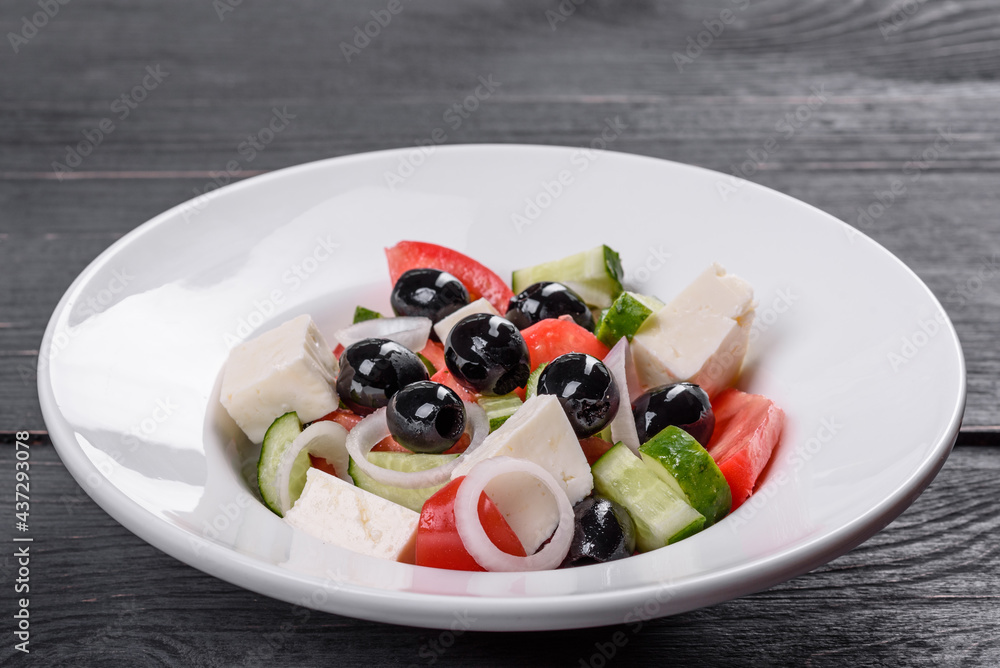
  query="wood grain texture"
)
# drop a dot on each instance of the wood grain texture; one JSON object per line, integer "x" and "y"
{"x": 890, "y": 76}
{"x": 923, "y": 592}
{"x": 888, "y": 81}
{"x": 49, "y": 250}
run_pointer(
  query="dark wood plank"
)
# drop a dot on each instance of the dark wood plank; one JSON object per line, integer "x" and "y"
{"x": 949, "y": 242}
{"x": 921, "y": 592}
{"x": 888, "y": 88}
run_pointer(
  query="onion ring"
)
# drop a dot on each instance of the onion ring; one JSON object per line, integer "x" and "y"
{"x": 623, "y": 424}
{"x": 367, "y": 433}
{"x": 324, "y": 439}
{"x": 478, "y": 544}
{"x": 408, "y": 331}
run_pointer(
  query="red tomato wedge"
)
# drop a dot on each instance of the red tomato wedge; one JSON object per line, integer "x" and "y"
{"x": 434, "y": 352}
{"x": 594, "y": 447}
{"x": 550, "y": 338}
{"x": 445, "y": 377}
{"x": 477, "y": 279}
{"x": 747, "y": 429}
{"x": 322, "y": 464}
{"x": 438, "y": 544}
{"x": 389, "y": 444}
{"x": 343, "y": 417}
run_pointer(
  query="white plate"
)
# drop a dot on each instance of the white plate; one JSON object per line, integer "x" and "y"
{"x": 848, "y": 341}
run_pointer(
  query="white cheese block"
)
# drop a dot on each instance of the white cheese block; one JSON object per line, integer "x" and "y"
{"x": 700, "y": 337}
{"x": 341, "y": 514}
{"x": 444, "y": 325}
{"x": 290, "y": 368}
{"x": 540, "y": 432}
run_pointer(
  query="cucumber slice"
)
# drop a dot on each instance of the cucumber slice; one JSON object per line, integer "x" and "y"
{"x": 681, "y": 462}
{"x": 399, "y": 461}
{"x": 595, "y": 275}
{"x": 624, "y": 317}
{"x": 531, "y": 389}
{"x": 361, "y": 314}
{"x": 498, "y": 409}
{"x": 278, "y": 437}
{"x": 661, "y": 515}
{"x": 605, "y": 434}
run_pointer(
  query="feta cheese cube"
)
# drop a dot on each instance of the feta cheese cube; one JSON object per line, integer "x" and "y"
{"x": 341, "y": 514}
{"x": 700, "y": 337}
{"x": 290, "y": 368}
{"x": 539, "y": 431}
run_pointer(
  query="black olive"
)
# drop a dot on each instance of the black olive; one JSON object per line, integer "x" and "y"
{"x": 428, "y": 293}
{"x": 372, "y": 370}
{"x": 586, "y": 390}
{"x": 683, "y": 405}
{"x": 548, "y": 300}
{"x": 604, "y": 531}
{"x": 426, "y": 417}
{"x": 487, "y": 354}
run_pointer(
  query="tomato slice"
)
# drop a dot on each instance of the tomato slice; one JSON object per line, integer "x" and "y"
{"x": 550, "y": 338}
{"x": 747, "y": 429}
{"x": 477, "y": 279}
{"x": 438, "y": 544}
{"x": 389, "y": 444}
{"x": 445, "y": 377}
{"x": 434, "y": 352}
{"x": 322, "y": 464}
{"x": 343, "y": 417}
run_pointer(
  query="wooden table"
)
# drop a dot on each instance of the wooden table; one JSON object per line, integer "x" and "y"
{"x": 168, "y": 92}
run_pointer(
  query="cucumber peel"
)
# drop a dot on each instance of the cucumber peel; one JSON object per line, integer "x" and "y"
{"x": 595, "y": 275}
{"x": 531, "y": 389}
{"x": 661, "y": 515}
{"x": 278, "y": 437}
{"x": 624, "y": 317}
{"x": 681, "y": 462}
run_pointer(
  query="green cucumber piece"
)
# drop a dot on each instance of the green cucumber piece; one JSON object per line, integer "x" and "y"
{"x": 531, "y": 389}
{"x": 605, "y": 434}
{"x": 681, "y": 462}
{"x": 624, "y": 317}
{"x": 498, "y": 409}
{"x": 278, "y": 437}
{"x": 595, "y": 275}
{"x": 399, "y": 461}
{"x": 661, "y": 515}
{"x": 361, "y": 314}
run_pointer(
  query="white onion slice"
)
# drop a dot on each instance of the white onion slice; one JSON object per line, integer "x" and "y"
{"x": 631, "y": 375}
{"x": 473, "y": 535}
{"x": 324, "y": 439}
{"x": 410, "y": 332}
{"x": 367, "y": 433}
{"x": 623, "y": 424}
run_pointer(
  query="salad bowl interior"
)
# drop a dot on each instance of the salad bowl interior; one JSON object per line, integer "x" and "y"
{"x": 847, "y": 340}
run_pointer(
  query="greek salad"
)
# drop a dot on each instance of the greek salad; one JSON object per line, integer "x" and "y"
{"x": 557, "y": 421}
